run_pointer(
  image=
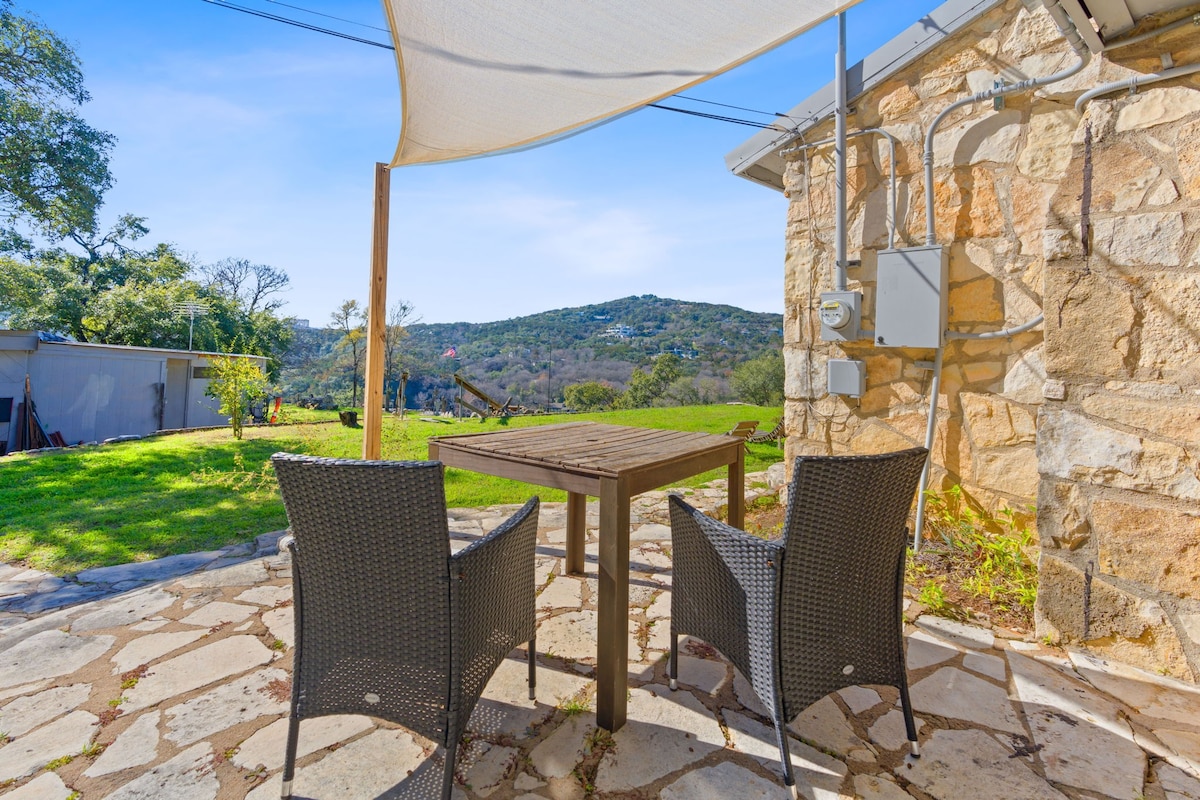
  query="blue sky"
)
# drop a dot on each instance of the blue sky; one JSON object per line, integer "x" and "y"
{"x": 243, "y": 137}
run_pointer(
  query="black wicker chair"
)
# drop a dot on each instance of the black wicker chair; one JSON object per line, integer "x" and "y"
{"x": 816, "y": 611}
{"x": 389, "y": 623}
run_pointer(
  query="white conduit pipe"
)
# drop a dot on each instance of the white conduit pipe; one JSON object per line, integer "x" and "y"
{"x": 891, "y": 178}
{"x": 1141, "y": 37}
{"x": 1068, "y": 31}
{"x": 840, "y": 112}
{"x": 1133, "y": 83}
{"x": 1004, "y": 334}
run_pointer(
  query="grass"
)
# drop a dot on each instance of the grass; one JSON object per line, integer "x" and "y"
{"x": 70, "y": 510}
{"x": 976, "y": 559}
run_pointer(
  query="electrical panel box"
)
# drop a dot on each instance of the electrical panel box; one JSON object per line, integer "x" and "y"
{"x": 847, "y": 376}
{"x": 910, "y": 297}
{"x": 841, "y": 316}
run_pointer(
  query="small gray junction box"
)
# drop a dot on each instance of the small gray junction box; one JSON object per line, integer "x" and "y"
{"x": 910, "y": 297}
{"x": 847, "y": 376}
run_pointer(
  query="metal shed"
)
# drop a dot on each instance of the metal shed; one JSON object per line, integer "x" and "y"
{"x": 92, "y": 392}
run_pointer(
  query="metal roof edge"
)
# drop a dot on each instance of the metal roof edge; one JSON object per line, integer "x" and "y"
{"x": 25, "y": 337}
{"x": 758, "y": 160}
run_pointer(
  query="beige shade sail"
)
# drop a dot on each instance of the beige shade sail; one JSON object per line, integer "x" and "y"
{"x": 487, "y": 76}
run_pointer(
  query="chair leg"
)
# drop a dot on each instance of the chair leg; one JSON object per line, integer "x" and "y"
{"x": 673, "y": 664}
{"x": 910, "y": 725}
{"x": 289, "y": 756}
{"x": 533, "y": 667}
{"x": 785, "y": 754}
{"x": 448, "y": 772}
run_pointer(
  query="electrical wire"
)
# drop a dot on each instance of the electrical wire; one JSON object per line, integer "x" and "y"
{"x": 360, "y": 40}
{"x": 329, "y": 16}
{"x": 297, "y": 23}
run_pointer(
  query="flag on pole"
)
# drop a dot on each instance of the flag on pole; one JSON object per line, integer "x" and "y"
{"x": 450, "y": 353}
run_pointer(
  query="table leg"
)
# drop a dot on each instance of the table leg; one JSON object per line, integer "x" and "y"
{"x": 576, "y": 531}
{"x": 737, "y": 490}
{"x": 613, "y": 637}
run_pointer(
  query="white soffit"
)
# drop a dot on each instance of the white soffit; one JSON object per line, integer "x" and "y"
{"x": 1099, "y": 21}
{"x": 486, "y": 76}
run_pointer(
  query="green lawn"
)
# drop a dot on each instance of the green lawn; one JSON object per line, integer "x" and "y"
{"x": 134, "y": 501}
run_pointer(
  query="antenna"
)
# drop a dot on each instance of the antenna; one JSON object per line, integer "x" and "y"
{"x": 193, "y": 309}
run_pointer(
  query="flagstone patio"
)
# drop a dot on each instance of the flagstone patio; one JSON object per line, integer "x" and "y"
{"x": 171, "y": 680}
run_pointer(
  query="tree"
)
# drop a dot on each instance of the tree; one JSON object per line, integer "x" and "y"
{"x": 400, "y": 314}
{"x": 590, "y": 396}
{"x": 252, "y": 286}
{"x": 645, "y": 388}
{"x": 350, "y": 319}
{"x": 236, "y": 383}
{"x": 760, "y": 381}
{"x": 53, "y": 165}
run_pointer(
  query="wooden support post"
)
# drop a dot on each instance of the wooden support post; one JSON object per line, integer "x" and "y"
{"x": 377, "y": 319}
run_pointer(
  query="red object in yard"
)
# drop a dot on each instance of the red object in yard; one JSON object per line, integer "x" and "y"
{"x": 275, "y": 410}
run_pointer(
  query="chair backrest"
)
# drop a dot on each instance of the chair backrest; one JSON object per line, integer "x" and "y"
{"x": 743, "y": 429}
{"x": 371, "y": 577}
{"x": 844, "y": 541}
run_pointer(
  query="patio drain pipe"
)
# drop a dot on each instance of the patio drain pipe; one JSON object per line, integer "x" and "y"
{"x": 1068, "y": 31}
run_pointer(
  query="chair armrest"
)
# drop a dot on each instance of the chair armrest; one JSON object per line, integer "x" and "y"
{"x": 724, "y": 588}
{"x": 495, "y": 576}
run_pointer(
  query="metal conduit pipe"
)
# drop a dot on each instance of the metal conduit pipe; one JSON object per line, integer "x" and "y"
{"x": 1133, "y": 83}
{"x": 1004, "y": 334}
{"x": 840, "y": 112}
{"x": 1141, "y": 37}
{"x": 1068, "y": 31}
{"x": 892, "y": 171}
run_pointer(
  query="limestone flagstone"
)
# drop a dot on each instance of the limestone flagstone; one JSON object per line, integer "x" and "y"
{"x": 135, "y": 746}
{"x": 966, "y": 635}
{"x": 562, "y": 592}
{"x": 877, "y": 787}
{"x": 559, "y": 753}
{"x": 28, "y": 688}
{"x": 265, "y": 748}
{"x": 719, "y": 783}
{"x": 269, "y": 596}
{"x": 985, "y": 664}
{"x": 956, "y": 764}
{"x": 124, "y": 610}
{"x": 746, "y": 695}
{"x": 244, "y": 699}
{"x": 824, "y": 724}
{"x": 860, "y": 698}
{"x": 217, "y": 613}
{"x": 817, "y": 774}
{"x": 923, "y": 650}
{"x": 27, "y": 754}
{"x": 665, "y": 732}
{"x": 364, "y": 769}
{"x": 705, "y": 674}
{"x": 187, "y": 776}
{"x": 147, "y": 648}
{"x": 244, "y": 573}
{"x": 1040, "y": 687}
{"x": 281, "y": 622}
{"x": 1077, "y": 754}
{"x": 46, "y": 786}
{"x": 192, "y": 670}
{"x": 1152, "y": 695}
{"x": 505, "y": 709}
{"x": 26, "y": 713}
{"x": 1184, "y": 743}
{"x": 956, "y": 694}
{"x": 1177, "y": 784}
{"x": 484, "y": 765}
{"x": 50, "y": 654}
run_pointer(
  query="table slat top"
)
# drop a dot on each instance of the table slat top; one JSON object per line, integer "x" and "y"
{"x": 589, "y": 448}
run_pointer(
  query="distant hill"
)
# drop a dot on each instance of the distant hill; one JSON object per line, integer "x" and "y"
{"x": 532, "y": 358}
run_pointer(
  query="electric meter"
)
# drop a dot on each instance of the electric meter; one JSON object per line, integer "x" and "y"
{"x": 840, "y": 316}
{"x": 835, "y": 314}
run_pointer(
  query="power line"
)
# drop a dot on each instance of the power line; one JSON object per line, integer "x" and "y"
{"x": 360, "y": 40}
{"x": 330, "y": 16}
{"x": 297, "y": 23}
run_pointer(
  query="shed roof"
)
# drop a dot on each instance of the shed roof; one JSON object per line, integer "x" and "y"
{"x": 32, "y": 340}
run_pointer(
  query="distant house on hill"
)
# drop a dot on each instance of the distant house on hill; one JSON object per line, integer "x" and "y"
{"x": 92, "y": 392}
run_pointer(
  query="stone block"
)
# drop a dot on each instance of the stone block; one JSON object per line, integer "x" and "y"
{"x": 1047, "y": 150}
{"x": 1187, "y": 156}
{"x": 1157, "y": 106}
{"x": 1172, "y": 306}
{"x": 992, "y": 421}
{"x": 1154, "y": 239}
{"x": 1159, "y": 417}
{"x": 1025, "y": 376}
{"x": 976, "y": 301}
{"x": 1075, "y": 344}
{"x": 1011, "y": 470}
{"x": 1157, "y": 547}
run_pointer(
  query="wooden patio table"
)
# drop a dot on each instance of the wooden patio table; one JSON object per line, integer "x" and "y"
{"x": 613, "y": 463}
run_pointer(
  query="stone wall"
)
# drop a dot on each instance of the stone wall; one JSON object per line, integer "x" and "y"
{"x": 1093, "y": 217}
